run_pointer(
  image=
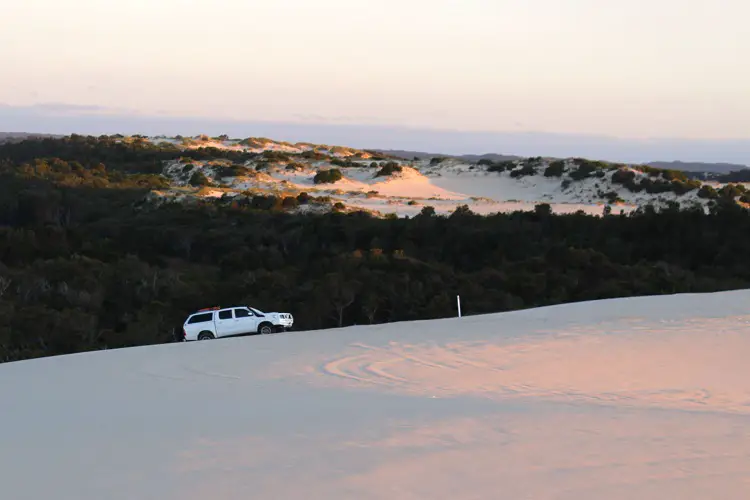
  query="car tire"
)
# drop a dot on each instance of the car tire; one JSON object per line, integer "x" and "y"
{"x": 265, "y": 329}
{"x": 205, "y": 336}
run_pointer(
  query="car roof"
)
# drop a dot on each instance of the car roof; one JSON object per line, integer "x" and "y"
{"x": 213, "y": 309}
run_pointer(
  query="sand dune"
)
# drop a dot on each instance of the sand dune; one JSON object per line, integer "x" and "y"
{"x": 644, "y": 398}
{"x": 444, "y": 186}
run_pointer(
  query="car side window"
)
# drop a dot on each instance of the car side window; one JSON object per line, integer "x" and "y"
{"x": 242, "y": 313}
{"x": 226, "y": 314}
{"x": 200, "y": 318}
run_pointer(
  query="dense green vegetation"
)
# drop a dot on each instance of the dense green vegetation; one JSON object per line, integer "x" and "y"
{"x": 86, "y": 263}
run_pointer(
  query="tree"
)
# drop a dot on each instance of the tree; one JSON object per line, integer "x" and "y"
{"x": 341, "y": 293}
{"x": 370, "y": 305}
{"x": 4, "y": 285}
{"x": 427, "y": 211}
{"x": 543, "y": 209}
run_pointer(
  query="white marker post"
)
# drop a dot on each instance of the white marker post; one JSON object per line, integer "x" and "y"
{"x": 458, "y": 301}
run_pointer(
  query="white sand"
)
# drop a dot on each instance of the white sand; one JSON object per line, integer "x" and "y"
{"x": 642, "y": 398}
{"x": 482, "y": 193}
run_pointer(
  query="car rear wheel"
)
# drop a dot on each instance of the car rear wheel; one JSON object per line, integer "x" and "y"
{"x": 205, "y": 336}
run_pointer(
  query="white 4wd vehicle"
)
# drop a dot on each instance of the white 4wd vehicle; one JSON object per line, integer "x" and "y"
{"x": 218, "y": 322}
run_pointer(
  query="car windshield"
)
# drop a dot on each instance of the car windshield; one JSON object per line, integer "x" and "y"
{"x": 256, "y": 311}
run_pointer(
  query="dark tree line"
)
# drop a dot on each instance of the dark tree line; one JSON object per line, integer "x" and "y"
{"x": 86, "y": 264}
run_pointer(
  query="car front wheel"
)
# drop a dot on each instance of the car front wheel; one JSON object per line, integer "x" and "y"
{"x": 265, "y": 329}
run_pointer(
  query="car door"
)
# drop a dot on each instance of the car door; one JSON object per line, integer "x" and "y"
{"x": 225, "y": 324}
{"x": 247, "y": 322}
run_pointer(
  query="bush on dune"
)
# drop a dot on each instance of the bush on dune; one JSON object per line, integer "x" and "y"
{"x": 389, "y": 169}
{"x": 328, "y": 176}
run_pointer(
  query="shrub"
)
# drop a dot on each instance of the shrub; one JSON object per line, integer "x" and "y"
{"x": 502, "y": 166}
{"x": 275, "y": 155}
{"x": 671, "y": 206}
{"x": 651, "y": 171}
{"x": 199, "y": 179}
{"x": 295, "y": 166}
{"x": 233, "y": 171}
{"x": 290, "y": 202}
{"x": 612, "y": 197}
{"x": 555, "y": 169}
{"x": 437, "y": 160}
{"x": 707, "y": 192}
{"x": 261, "y": 202}
{"x": 680, "y": 187}
{"x": 674, "y": 175}
{"x": 655, "y": 187}
{"x": 534, "y": 161}
{"x": 627, "y": 178}
{"x": 340, "y": 162}
{"x": 388, "y": 169}
{"x": 523, "y": 171}
{"x": 313, "y": 155}
{"x": 303, "y": 198}
{"x": 328, "y": 176}
{"x": 585, "y": 168}
{"x": 730, "y": 191}
{"x": 623, "y": 176}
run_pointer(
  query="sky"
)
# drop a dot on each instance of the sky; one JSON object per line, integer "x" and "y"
{"x": 631, "y": 69}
